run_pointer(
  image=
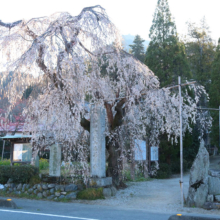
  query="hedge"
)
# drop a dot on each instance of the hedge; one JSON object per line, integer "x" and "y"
{"x": 18, "y": 174}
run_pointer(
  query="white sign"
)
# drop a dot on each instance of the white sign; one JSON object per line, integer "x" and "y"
{"x": 140, "y": 150}
{"x": 22, "y": 152}
{"x": 154, "y": 153}
{"x": 17, "y": 154}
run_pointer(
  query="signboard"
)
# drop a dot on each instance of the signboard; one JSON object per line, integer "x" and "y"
{"x": 22, "y": 152}
{"x": 154, "y": 153}
{"x": 140, "y": 150}
{"x": 17, "y": 154}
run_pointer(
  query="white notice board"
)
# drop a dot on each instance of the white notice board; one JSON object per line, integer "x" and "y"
{"x": 17, "y": 154}
{"x": 154, "y": 153}
{"x": 22, "y": 152}
{"x": 140, "y": 150}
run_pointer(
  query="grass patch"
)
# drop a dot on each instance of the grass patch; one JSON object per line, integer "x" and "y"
{"x": 43, "y": 164}
{"x": 63, "y": 200}
{"x": 5, "y": 162}
{"x": 142, "y": 179}
{"x": 91, "y": 194}
{"x": 139, "y": 177}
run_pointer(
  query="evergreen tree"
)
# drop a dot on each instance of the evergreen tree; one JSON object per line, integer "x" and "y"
{"x": 200, "y": 51}
{"x": 165, "y": 54}
{"x": 166, "y": 57}
{"x": 215, "y": 95}
{"x": 137, "y": 48}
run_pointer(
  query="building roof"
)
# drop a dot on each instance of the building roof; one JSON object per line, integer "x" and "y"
{"x": 17, "y": 136}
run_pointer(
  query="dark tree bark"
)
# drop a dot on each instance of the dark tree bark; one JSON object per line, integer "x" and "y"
{"x": 115, "y": 165}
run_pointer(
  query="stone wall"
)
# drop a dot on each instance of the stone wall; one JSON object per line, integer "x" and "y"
{"x": 214, "y": 186}
{"x": 51, "y": 191}
{"x": 47, "y": 191}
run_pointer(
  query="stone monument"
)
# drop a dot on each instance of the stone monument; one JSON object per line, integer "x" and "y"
{"x": 36, "y": 161}
{"x": 55, "y": 160}
{"x": 97, "y": 148}
{"x": 198, "y": 182}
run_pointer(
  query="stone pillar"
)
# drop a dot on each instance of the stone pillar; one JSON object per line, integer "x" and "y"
{"x": 97, "y": 142}
{"x": 36, "y": 161}
{"x": 97, "y": 147}
{"x": 55, "y": 160}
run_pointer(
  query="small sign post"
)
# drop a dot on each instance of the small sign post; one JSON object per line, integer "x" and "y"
{"x": 154, "y": 153}
{"x": 140, "y": 150}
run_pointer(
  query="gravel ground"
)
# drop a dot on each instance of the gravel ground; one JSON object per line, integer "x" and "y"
{"x": 157, "y": 195}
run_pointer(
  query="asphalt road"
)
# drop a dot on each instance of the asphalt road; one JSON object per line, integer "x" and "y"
{"x": 46, "y": 210}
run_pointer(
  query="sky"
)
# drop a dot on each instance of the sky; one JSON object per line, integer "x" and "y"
{"x": 130, "y": 17}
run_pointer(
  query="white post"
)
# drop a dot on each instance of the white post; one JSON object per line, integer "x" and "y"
{"x": 3, "y": 149}
{"x": 181, "y": 141}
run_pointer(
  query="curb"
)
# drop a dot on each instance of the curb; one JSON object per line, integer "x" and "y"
{"x": 7, "y": 203}
{"x": 187, "y": 217}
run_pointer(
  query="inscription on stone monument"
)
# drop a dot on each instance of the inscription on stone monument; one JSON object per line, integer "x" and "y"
{"x": 55, "y": 160}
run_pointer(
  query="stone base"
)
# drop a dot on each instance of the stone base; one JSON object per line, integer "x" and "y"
{"x": 100, "y": 182}
{"x": 211, "y": 205}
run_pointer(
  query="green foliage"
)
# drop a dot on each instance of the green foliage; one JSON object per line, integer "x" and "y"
{"x": 215, "y": 96}
{"x": 63, "y": 200}
{"x": 34, "y": 180}
{"x": 127, "y": 175}
{"x": 175, "y": 166}
{"x": 91, "y": 194}
{"x": 200, "y": 51}
{"x": 164, "y": 171}
{"x": 170, "y": 153}
{"x": 139, "y": 177}
{"x": 43, "y": 164}
{"x": 191, "y": 145}
{"x": 137, "y": 48}
{"x": 19, "y": 174}
{"x": 165, "y": 55}
{"x": 5, "y": 162}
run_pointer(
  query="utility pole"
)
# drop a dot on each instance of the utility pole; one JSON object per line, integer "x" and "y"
{"x": 181, "y": 140}
{"x": 181, "y": 133}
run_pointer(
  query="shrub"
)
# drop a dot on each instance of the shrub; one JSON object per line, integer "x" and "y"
{"x": 164, "y": 171}
{"x": 43, "y": 164}
{"x": 127, "y": 175}
{"x": 4, "y": 174}
{"x": 91, "y": 194}
{"x": 35, "y": 180}
{"x": 175, "y": 166}
{"x": 19, "y": 174}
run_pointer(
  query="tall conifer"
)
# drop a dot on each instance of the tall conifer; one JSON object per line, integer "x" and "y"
{"x": 215, "y": 95}
{"x": 165, "y": 54}
{"x": 200, "y": 51}
{"x": 137, "y": 48}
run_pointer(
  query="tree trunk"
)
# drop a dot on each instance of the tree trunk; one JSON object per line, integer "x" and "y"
{"x": 114, "y": 169}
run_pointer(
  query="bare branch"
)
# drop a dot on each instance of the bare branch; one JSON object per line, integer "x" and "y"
{"x": 10, "y": 25}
